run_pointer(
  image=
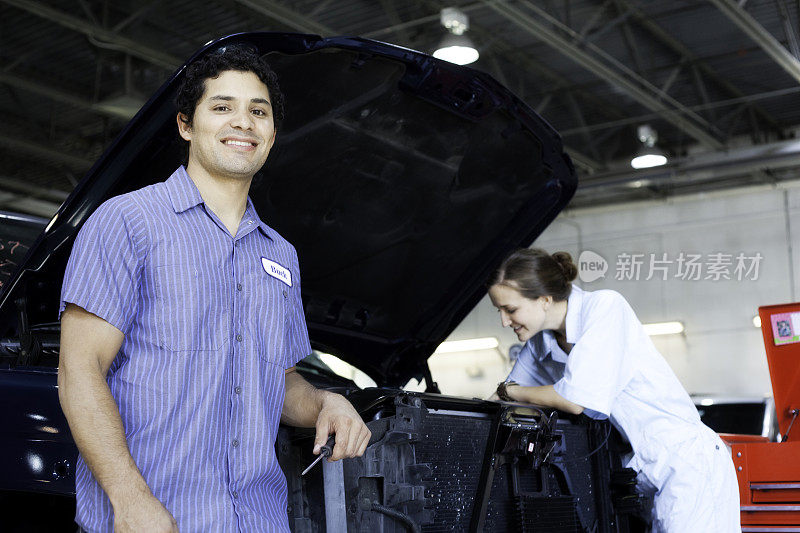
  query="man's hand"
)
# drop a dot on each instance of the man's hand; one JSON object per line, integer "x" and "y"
{"x": 144, "y": 514}
{"x": 338, "y": 417}
{"x": 306, "y": 406}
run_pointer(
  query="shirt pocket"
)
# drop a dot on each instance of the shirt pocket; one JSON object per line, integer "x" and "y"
{"x": 268, "y": 312}
{"x": 190, "y": 310}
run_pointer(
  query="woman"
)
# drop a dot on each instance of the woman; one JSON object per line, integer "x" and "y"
{"x": 586, "y": 352}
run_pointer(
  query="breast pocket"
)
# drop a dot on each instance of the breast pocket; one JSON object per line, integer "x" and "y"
{"x": 268, "y": 312}
{"x": 190, "y": 309}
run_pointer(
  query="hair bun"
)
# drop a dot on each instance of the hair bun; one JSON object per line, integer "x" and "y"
{"x": 564, "y": 260}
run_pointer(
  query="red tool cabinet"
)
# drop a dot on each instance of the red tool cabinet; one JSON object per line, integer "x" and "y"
{"x": 769, "y": 472}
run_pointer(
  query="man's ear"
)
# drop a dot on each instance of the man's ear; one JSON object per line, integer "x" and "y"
{"x": 184, "y": 129}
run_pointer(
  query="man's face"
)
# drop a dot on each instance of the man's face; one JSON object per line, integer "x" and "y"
{"x": 233, "y": 130}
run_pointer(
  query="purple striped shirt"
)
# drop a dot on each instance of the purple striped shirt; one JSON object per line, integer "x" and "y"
{"x": 211, "y": 322}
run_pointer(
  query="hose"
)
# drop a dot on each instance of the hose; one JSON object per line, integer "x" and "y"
{"x": 397, "y": 515}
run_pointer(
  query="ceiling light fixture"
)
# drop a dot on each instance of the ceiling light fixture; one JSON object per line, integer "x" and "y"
{"x": 468, "y": 345}
{"x": 456, "y": 47}
{"x": 648, "y": 155}
{"x": 663, "y": 328}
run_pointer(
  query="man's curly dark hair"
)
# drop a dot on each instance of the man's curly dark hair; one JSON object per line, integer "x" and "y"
{"x": 230, "y": 57}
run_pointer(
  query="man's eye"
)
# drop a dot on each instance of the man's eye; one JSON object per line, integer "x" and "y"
{"x": 221, "y": 108}
{"x": 259, "y": 112}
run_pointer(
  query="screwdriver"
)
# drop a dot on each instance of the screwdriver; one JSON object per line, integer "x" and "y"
{"x": 325, "y": 451}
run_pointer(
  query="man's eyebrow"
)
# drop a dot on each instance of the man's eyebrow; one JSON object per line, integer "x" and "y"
{"x": 225, "y": 98}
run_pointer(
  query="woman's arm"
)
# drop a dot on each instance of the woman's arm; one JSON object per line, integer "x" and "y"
{"x": 544, "y": 396}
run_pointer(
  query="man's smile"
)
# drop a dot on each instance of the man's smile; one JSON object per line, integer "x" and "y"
{"x": 237, "y": 143}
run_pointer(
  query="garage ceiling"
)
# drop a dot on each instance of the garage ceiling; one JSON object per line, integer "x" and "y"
{"x": 719, "y": 80}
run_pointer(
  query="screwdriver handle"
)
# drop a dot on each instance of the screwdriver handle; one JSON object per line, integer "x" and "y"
{"x": 327, "y": 448}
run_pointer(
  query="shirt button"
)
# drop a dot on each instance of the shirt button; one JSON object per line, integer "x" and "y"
{"x": 235, "y": 443}
{"x": 235, "y": 495}
{"x": 238, "y": 286}
{"x": 238, "y": 338}
{"x": 285, "y": 294}
{"x": 237, "y": 390}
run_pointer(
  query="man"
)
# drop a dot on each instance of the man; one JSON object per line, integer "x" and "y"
{"x": 181, "y": 325}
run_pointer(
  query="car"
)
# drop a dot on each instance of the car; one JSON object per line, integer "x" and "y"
{"x": 17, "y": 233}
{"x": 402, "y": 181}
{"x": 739, "y": 415}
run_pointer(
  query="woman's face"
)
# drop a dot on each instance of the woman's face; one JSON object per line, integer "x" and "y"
{"x": 525, "y": 316}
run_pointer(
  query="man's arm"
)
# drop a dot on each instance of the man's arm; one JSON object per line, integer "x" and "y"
{"x": 307, "y": 406}
{"x": 545, "y": 396}
{"x": 89, "y": 345}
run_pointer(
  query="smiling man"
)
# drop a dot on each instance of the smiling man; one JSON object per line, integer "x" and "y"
{"x": 181, "y": 325}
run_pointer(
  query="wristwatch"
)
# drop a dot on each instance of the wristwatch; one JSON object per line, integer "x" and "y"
{"x": 502, "y": 390}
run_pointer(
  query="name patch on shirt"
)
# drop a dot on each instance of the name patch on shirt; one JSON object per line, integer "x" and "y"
{"x": 277, "y": 271}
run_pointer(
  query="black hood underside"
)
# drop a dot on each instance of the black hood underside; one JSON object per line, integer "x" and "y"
{"x": 401, "y": 180}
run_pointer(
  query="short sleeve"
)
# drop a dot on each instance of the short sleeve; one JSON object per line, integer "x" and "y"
{"x": 298, "y": 345}
{"x": 104, "y": 269}
{"x": 600, "y": 365}
{"x": 528, "y": 371}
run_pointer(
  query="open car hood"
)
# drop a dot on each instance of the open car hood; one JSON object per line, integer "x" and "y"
{"x": 402, "y": 181}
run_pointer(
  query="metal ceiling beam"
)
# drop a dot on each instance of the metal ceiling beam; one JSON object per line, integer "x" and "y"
{"x": 724, "y": 163}
{"x": 585, "y": 162}
{"x": 730, "y": 102}
{"x": 291, "y": 18}
{"x": 45, "y": 193}
{"x": 60, "y": 96}
{"x": 124, "y": 44}
{"x": 31, "y": 206}
{"x": 45, "y": 152}
{"x": 687, "y": 56}
{"x": 760, "y": 36}
{"x": 418, "y": 22}
{"x": 637, "y": 87}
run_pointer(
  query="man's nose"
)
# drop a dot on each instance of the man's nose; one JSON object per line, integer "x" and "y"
{"x": 242, "y": 119}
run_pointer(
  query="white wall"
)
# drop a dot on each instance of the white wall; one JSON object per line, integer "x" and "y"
{"x": 721, "y": 351}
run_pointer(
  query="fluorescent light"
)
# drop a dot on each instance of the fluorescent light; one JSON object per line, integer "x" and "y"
{"x": 757, "y": 321}
{"x": 460, "y": 55}
{"x": 468, "y": 345}
{"x": 456, "y": 47}
{"x": 663, "y": 328}
{"x": 707, "y": 402}
{"x": 648, "y": 155}
{"x": 648, "y": 161}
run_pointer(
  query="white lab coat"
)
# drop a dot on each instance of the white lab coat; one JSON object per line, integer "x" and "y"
{"x": 615, "y": 372}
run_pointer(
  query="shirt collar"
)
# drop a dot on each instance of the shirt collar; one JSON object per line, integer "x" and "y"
{"x": 183, "y": 193}
{"x": 546, "y": 343}
{"x": 546, "y": 346}
{"x": 251, "y": 212}
{"x": 574, "y": 321}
